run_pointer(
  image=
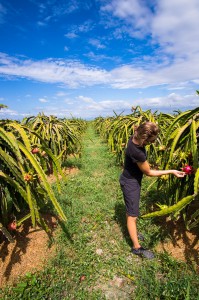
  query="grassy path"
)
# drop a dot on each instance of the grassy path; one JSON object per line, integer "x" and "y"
{"x": 95, "y": 225}
{"x": 93, "y": 258}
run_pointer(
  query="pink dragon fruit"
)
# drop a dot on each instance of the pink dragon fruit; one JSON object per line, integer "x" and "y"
{"x": 187, "y": 169}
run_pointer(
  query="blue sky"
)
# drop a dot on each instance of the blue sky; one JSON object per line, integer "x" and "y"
{"x": 90, "y": 58}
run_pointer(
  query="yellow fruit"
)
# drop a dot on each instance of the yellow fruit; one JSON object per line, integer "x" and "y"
{"x": 162, "y": 148}
{"x": 28, "y": 177}
{"x": 43, "y": 153}
{"x": 165, "y": 177}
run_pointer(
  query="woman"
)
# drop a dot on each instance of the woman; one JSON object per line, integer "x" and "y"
{"x": 135, "y": 165}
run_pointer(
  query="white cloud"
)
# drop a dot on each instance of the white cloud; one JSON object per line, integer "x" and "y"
{"x": 43, "y": 100}
{"x": 61, "y": 94}
{"x": 172, "y": 88}
{"x": 91, "y": 107}
{"x": 75, "y": 31}
{"x": 42, "y": 7}
{"x": 74, "y": 74}
{"x": 172, "y": 24}
{"x": 54, "y": 110}
{"x": 134, "y": 12}
{"x": 129, "y": 77}
{"x": 4, "y": 112}
{"x": 114, "y": 105}
{"x": 102, "y": 57}
{"x": 96, "y": 43}
{"x": 180, "y": 73}
{"x": 70, "y": 73}
{"x": 41, "y": 23}
{"x": 172, "y": 100}
{"x": 71, "y": 35}
{"x": 88, "y": 107}
{"x": 55, "y": 9}
{"x": 85, "y": 27}
{"x": 69, "y": 101}
{"x": 85, "y": 99}
{"x": 175, "y": 26}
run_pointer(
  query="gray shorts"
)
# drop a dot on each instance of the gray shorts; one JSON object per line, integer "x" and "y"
{"x": 131, "y": 192}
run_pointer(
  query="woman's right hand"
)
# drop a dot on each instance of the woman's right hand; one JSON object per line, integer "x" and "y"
{"x": 178, "y": 173}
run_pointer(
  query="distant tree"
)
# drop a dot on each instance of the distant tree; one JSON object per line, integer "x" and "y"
{"x": 3, "y": 106}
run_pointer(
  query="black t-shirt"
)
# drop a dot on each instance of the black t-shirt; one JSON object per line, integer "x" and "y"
{"x": 133, "y": 154}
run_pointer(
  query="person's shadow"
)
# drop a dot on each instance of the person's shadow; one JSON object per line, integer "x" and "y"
{"x": 175, "y": 230}
{"x": 120, "y": 218}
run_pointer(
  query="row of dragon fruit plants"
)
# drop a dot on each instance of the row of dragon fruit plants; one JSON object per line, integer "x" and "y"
{"x": 30, "y": 151}
{"x": 177, "y": 147}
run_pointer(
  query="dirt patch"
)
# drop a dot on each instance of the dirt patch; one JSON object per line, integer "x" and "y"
{"x": 97, "y": 174}
{"x": 181, "y": 244}
{"x": 29, "y": 252}
{"x": 66, "y": 172}
{"x": 117, "y": 288}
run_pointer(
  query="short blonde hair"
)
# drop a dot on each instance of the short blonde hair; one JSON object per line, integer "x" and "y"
{"x": 146, "y": 130}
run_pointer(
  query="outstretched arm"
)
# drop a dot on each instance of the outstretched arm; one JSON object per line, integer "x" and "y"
{"x": 145, "y": 168}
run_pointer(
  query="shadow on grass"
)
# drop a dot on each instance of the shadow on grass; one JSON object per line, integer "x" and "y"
{"x": 120, "y": 218}
{"x": 149, "y": 199}
{"x": 160, "y": 229}
{"x": 72, "y": 162}
{"x": 65, "y": 230}
{"x": 181, "y": 240}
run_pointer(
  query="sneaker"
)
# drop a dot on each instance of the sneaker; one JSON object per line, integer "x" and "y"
{"x": 143, "y": 252}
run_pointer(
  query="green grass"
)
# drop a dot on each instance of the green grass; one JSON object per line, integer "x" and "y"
{"x": 93, "y": 259}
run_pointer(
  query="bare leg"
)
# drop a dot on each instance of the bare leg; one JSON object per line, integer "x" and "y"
{"x": 132, "y": 229}
{"x": 137, "y": 249}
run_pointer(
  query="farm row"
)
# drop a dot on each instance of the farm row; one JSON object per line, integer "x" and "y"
{"x": 177, "y": 147}
{"x": 38, "y": 146}
{"x": 29, "y": 152}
